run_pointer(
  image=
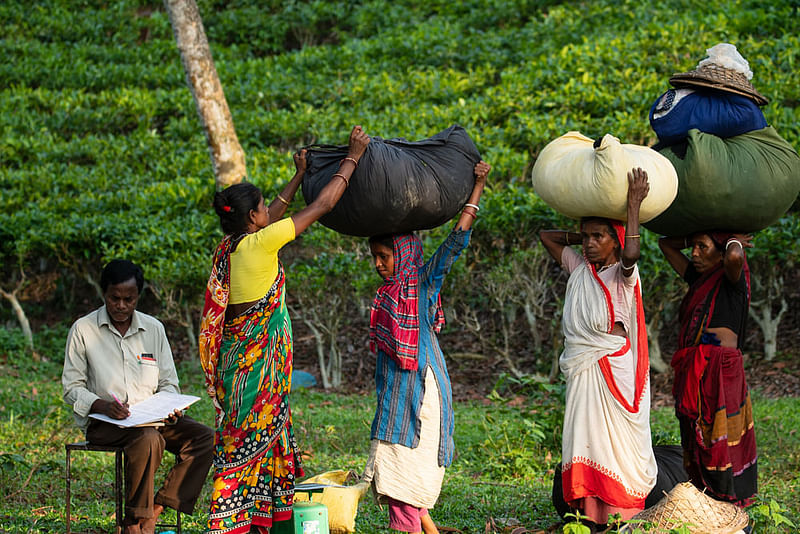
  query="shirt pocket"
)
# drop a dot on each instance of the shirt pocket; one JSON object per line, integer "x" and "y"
{"x": 148, "y": 371}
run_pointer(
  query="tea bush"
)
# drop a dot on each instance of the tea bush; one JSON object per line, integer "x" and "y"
{"x": 103, "y": 155}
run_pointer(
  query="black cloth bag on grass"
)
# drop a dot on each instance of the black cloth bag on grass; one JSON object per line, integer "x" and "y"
{"x": 669, "y": 459}
{"x": 399, "y": 186}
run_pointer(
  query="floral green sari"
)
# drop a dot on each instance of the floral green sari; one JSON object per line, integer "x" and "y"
{"x": 256, "y": 457}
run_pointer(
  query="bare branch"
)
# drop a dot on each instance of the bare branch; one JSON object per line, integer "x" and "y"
{"x": 22, "y": 318}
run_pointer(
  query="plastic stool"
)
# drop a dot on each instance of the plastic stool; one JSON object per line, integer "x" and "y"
{"x": 307, "y": 518}
{"x": 119, "y": 481}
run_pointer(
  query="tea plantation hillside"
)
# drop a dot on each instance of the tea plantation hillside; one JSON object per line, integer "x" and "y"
{"x": 103, "y": 154}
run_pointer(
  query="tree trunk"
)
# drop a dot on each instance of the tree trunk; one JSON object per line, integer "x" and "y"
{"x": 95, "y": 284}
{"x": 762, "y": 310}
{"x": 320, "y": 342}
{"x": 190, "y": 331}
{"x": 507, "y": 323}
{"x": 335, "y": 361}
{"x": 555, "y": 368}
{"x": 557, "y": 337}
{"x": 22, "y": 318}
{"x": 654, "y": 346}
{"x": 227, "y": 155}
{"x": 531, "y": 315}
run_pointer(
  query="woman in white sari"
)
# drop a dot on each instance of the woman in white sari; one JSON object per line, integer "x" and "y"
{"x": 608, "y": 466}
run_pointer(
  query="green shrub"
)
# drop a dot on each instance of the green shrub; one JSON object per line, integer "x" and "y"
{"x": 103, "y": 155}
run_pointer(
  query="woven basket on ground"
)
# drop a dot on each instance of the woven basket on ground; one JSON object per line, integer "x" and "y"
{"x": 720, "y": 78}
{"x": 685, "y": 504}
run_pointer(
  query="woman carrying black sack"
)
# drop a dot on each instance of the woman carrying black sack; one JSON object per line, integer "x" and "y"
{"x": 246, "y": 349}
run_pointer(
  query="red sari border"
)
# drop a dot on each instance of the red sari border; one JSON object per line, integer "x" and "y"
{"x": 583, "y": 477}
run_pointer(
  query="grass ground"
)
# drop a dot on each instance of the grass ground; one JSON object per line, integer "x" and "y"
{"x": 501, "y": 478}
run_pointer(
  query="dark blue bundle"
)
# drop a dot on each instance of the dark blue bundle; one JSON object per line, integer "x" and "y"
{"x": 715, "y": 112}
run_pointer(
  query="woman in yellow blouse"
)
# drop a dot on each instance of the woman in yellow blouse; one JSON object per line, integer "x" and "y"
{"x": 246, "y": 349}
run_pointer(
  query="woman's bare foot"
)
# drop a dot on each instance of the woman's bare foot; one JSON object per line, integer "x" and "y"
{"x": 428, "y": 526}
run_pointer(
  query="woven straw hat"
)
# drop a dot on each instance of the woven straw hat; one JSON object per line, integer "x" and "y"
{"x": 724, "y": 70}
{"x": 685, "y": 504}
{"x": 719, "y": 78}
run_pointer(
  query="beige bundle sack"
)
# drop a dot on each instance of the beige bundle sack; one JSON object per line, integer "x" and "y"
{"x": 342, "y": 502}
{"x": 578, "y": 180}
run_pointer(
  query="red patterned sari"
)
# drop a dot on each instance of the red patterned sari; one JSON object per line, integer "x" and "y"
{"x": 712, "y": 400}
{"x": 248, "y": 360}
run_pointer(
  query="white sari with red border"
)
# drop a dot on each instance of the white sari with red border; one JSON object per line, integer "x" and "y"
{"x": 606, "y": 449}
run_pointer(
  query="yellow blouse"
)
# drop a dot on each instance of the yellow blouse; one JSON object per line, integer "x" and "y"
{"x": 254, "y": 263}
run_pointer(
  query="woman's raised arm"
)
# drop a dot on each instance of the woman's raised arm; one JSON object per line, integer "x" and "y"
{"x": 554, "y": 241}
{"x": 333, "y": 191}
{"x": 277, "y": 208}
{"x": 733, "y": 257}
{"x": 638, "y": 188}
{"x": 470, "y": 211}
{"x": 671, "y": 248}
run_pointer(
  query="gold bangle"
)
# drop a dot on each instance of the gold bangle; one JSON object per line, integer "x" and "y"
{"x": 348, "y": 158}
{"x": 566, "y": 238}
{"x": 283, "y": 199}
{"x": 634, "y": 236}
{"x": 340, "y": 175}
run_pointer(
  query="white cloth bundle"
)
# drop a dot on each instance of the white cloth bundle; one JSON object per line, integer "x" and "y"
{"x": 578, "y": 180}
{"x": 726, "y": 55}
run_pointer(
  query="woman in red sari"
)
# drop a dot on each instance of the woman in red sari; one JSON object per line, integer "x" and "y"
{"x": 712, "y": 401}
{"x": 246, "y": 349}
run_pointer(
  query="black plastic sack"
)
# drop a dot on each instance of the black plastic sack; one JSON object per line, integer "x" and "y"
{"x": 399, "y": 185}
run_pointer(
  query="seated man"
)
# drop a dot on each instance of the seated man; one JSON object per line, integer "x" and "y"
{"x": 116, "y": 356}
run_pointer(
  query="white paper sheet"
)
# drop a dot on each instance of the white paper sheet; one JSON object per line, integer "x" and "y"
{"x": 151, "y": 410}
